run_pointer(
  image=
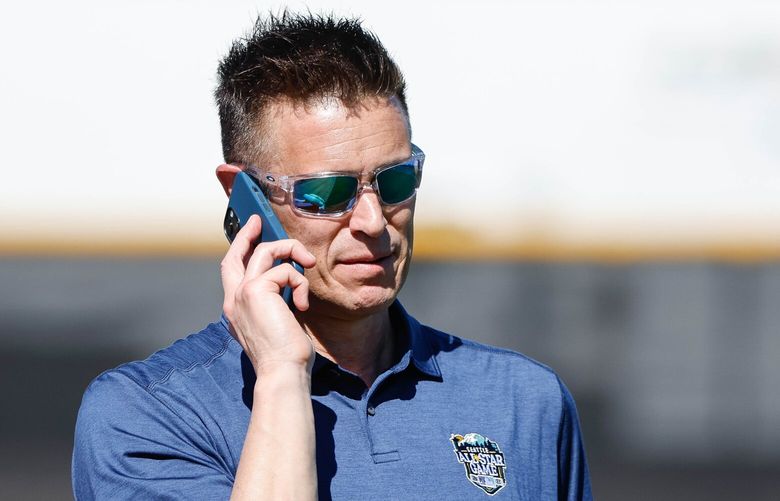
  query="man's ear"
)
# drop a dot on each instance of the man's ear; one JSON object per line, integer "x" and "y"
{"x": 226, "y": 173}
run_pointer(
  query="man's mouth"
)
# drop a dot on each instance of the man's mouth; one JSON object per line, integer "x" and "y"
{"x": 367, "y": 259}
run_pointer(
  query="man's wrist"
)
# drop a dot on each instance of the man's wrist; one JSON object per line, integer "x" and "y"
{"x": 283, "y": 376}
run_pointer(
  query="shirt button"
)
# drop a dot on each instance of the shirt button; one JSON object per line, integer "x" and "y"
{"x": 371, "y": 411}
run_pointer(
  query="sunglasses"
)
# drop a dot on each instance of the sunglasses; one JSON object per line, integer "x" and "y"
{"x": 333, "y": 194}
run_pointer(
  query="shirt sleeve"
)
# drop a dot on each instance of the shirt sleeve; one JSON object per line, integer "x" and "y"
{"x": 129, "y": 444}
{"x": 573, "y": 476}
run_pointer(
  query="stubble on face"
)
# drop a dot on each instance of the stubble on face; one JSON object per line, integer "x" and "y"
{"x": 362, "y": 257}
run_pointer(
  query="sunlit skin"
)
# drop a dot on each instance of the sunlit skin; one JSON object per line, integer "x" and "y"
{"x": 361, "y": 258}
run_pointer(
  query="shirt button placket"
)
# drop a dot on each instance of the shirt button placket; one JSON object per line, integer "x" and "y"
{"x": 371, "y": 410}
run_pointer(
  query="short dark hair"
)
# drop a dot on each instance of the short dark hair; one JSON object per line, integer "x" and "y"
{"x": 300, "y": 57}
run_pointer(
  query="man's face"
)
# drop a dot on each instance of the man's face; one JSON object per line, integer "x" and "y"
{"x": 363, "y": 256}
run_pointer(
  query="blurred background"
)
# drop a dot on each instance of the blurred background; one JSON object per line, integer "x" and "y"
{"x": 601, "y": 194}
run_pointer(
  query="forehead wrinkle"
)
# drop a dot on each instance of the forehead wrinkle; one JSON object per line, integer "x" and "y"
{"x": 358, "y": 159}
{"x": 378, "y": 126}
{"x": 337, "y": 152}
{"x": 334, "y": 139}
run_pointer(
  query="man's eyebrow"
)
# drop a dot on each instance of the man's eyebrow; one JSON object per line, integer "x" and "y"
{"x": 399, "y": 159}
{"x": 395, "y": 161}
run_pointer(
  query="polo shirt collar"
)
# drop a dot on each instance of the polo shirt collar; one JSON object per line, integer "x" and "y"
{"x": 417, "y": 347}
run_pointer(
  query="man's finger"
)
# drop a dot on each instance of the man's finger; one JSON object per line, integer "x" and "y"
{"x": 233, "y": 264}
{"x": 265, "y": 254}
{"x": 273, "y": 281}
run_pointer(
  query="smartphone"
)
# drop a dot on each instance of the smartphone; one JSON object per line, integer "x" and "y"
{"x": 247, "y": 198}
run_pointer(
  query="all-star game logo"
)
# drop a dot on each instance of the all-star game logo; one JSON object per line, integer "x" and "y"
{"x": 483, "y": 460}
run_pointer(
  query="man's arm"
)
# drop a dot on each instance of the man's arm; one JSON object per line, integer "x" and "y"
{"x": 278, "y": 457}
{"x": 277, "y": 461}
{"x": 130, "y": 445}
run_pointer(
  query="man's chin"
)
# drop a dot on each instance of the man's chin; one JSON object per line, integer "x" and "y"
{"x": 375, "y": 302}
{"x": 364, "y": 301}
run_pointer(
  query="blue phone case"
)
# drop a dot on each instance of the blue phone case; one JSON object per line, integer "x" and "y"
{"x": 246, "y": 199}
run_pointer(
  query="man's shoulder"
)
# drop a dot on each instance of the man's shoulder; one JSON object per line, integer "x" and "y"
{"x": 163, "y": 385}
{"x": 163, "y": 407}
{"x": 185, "y": 356}
{"x": 460, "y": 355}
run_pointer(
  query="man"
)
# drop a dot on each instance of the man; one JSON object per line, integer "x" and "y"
{"x": 342, "y": 395}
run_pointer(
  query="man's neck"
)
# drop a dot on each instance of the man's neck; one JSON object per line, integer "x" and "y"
{"x": 364, "y": 345}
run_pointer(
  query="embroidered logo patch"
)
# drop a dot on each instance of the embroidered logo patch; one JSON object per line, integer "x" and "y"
{"x": 483, "y": 460}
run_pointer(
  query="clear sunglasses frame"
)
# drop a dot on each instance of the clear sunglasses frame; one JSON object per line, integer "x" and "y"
{"x": 280, "y": 188}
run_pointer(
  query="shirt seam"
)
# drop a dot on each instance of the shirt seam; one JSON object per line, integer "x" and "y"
{"x": 152, "y": 385}
{"x": 560, "y": 432}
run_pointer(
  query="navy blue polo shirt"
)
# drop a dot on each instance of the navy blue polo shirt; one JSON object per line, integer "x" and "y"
{"x": 452, "y": 419}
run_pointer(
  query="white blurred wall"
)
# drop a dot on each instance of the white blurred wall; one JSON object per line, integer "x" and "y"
{"x": 638, "y": 121}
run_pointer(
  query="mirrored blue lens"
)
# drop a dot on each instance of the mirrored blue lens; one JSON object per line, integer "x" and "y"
{"x": 397, "y": 183}
{"x": 325, "y": 195}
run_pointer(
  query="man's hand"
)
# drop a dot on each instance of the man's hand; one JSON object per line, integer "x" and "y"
{"x": 278, "y": 457}
{"x": 259, "y": 318}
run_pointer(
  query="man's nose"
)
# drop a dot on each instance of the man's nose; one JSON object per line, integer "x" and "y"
{"x": 367, "y": 216}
